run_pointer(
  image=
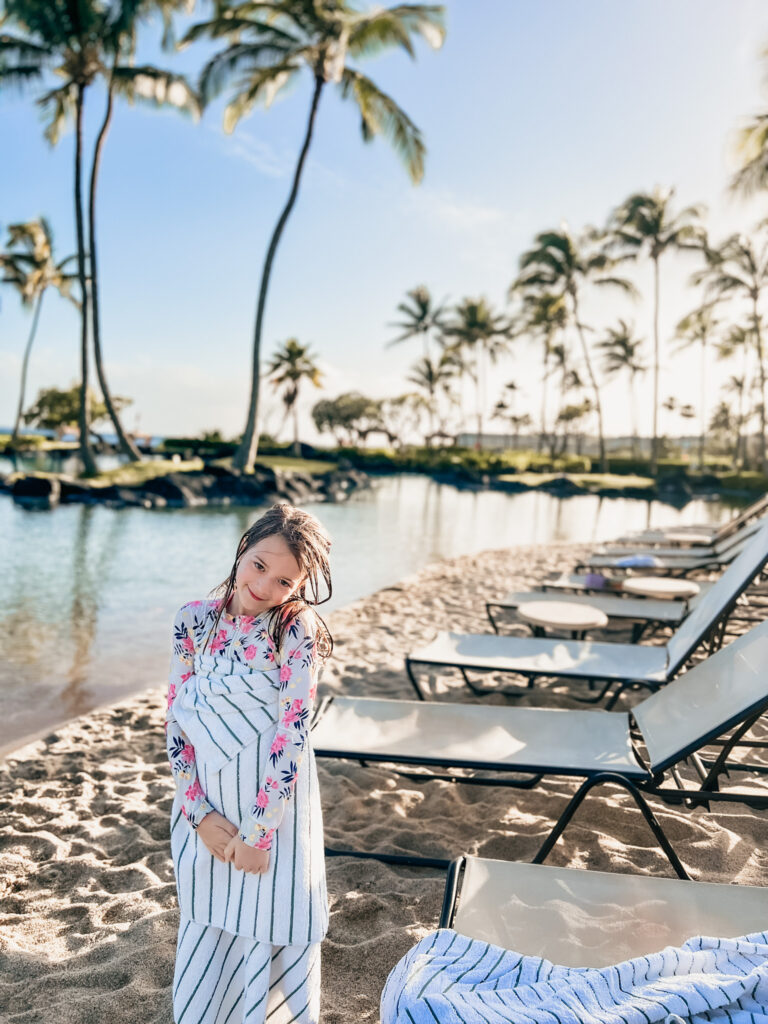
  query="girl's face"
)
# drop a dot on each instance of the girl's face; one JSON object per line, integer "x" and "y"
{"x": 267, "y": 575}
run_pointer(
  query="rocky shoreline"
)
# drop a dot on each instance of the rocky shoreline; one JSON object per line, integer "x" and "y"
{"x": 212, "y": 485}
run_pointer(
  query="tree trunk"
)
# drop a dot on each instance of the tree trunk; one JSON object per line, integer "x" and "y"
{"x": 24, "y": 366}
{"x": 762, "y": 462}
{"x": 126, "y": 446}
{"x": 543, "y": 432}
{"x": 703, "y": 418}
{"x": 296, "y": 442}
{"x": 83, "y": 417}
{"x": 246, "y": 452}
{"x": 478, "y": 371}
{"x": 595, "y": 388}
{"x": 633, "y": 413}
{"x": 655, "y": 438}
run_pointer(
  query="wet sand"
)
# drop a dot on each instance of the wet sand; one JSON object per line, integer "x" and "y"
{"x": 88, "y": 911}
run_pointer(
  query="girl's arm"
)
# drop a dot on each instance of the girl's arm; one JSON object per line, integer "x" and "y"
{"x": 298, "y": 683}
{"x": 181, "y": 753}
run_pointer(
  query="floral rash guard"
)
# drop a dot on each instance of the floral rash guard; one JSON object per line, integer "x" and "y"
{"x": 245, "y": 639}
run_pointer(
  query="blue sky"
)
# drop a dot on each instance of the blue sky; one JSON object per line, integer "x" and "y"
{"x": 533, "y": 113}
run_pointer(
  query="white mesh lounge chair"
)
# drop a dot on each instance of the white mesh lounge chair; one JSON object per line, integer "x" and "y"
{"x": 722, "y": 696}
{"x": 614, "y": 664}
{"x": 674, "y": 564}
{"x": 705, "y": 534}
{"x": 591, "y": 918}
{"x": 617, "y": 549}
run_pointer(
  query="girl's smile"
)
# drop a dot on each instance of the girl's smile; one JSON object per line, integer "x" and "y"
{"x": 267, "y": 575}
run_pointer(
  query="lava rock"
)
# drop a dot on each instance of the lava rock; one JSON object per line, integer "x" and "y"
{"x": 36, "y": 491}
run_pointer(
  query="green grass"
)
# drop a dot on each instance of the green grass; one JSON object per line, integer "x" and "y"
{"x": 133, "y": 474}
{"x": 288, "y": 463}
{"x": 590, "y": 481}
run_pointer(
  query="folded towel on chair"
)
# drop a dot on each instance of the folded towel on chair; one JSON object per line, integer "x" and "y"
{"x": 451, "y": 979}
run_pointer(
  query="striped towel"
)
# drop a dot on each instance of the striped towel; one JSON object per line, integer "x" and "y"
{"x": 450, "y": 979}
{"x": 225, "y": 706}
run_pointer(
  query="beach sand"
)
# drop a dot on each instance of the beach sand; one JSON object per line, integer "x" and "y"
{"x": 88, "y": 911}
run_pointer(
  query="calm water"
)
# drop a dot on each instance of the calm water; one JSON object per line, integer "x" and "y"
{"x": 90, "y": 592}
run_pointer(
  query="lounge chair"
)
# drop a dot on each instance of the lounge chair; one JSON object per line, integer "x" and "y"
{"x": 705, "y": 534}
{"x": 617, "y": 549}
{"x": 591, "y": 918}
{"x": 723, "y": 696}
{"x": 614, "y": 664}
{"x": 649, "y": 563}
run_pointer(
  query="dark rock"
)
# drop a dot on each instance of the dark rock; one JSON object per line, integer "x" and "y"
{"x": 36, "y": 491}
{"x": 174, "y": 488}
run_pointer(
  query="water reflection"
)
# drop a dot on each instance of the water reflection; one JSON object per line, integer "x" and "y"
{"x": 90, "y": 592}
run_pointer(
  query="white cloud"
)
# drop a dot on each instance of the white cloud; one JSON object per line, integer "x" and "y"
{"x": 256, "y": 152}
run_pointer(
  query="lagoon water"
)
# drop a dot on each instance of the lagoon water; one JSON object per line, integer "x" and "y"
{"x": 90, "y": 592}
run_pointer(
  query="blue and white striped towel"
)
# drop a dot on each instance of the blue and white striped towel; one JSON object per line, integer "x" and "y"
{"x": 451, "y": 979}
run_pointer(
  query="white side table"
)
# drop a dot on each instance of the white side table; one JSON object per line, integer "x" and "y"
{"x": 561, "y": 615}
{"x": 664, "y": 587}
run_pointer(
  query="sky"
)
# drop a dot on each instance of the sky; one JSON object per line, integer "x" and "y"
{"x": 534, "y": 113}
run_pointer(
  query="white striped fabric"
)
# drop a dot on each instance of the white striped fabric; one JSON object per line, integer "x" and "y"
{"x": 288, "y": 904}
{"x": 451, "y": 979}
{"x": 227, "y": 979}
{"x": 226, "y": 706}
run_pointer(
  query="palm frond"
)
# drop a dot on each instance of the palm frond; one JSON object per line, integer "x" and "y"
{"x": 244, "y": 62}
{"x": 261, "y": 87}
{"x": 56, "y": 106}
{"x": 394, "y": 27}
{"x": 380, "y": 115}
{"x": 148, "y": 84}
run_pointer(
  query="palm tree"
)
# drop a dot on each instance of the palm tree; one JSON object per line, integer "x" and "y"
{"x": 79, "y": 43}
{"x": 420, "y": 318}
{"x": 739, "y": 269}
{"x": 737, "y": 386}
{"x": 434, "y": 376}
{"x": 29, "y": 265}
{"x": 268, "y": 45}
{"x": 543, "y": 315}
{"x": 621, "y": 354}
{"x": 697, "y": 328}
{"x": 561, "y": 265}
{"x": 644, "y": 223}
{"x": 288, "y": 367}
{"x": 484, "y": 333}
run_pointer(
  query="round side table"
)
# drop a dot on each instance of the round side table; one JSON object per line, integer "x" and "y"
{"x": 664, "y": 587}
{"x": 561, "y": 615}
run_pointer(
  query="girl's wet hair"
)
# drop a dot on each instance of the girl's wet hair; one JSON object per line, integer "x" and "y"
{"x": 310, "y": 546}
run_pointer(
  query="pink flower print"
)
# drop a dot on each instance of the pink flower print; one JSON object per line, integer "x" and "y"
{"x": 293, "y": 654}
{"x": 185, "y": 676}
{"x": 285, "y": 673}
{"x": 194, "y": 790}
{"x": 188, "y": 753}
{"x": 246, "y": 621}
{"x": 219, "y": 640}
{"x": 270, "y": 783}
{"x": 278, "y": 743}
{"x": 293, "y": 712}
{"x": 264, "y": 842}
{"x": 184, "y": 811}
{"x": 270, "y": 655}
{"x": 269, "y": 641}
{"x": 312, "y": 691}
{"x": 251, "y": 652}
{"x": 171, "y": 693}
{"x": 195, "y": 604}
{"x": 187, "y": 644}
{"x": 262, "y": 800}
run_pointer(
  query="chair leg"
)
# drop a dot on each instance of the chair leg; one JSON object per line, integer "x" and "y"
{"x": 720, "y": 764}
{"x": 491, "y": 619}
{"x": 414, "y": 681}
{"x": 392, "y": 858}
{"x": 584, "y": 789}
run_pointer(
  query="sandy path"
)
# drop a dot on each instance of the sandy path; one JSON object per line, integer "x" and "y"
{"x": 88, "y": 909}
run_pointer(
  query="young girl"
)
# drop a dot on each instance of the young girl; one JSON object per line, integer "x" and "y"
{"x": 246, "y": 824}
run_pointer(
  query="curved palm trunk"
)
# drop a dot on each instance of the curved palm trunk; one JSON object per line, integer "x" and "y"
{"x": 84, "y": 417}
{"x": 633, "y": 413}
{"x": 655, "y": 439}
{"x": 126, "y": 446}
{"x": 763, "y": 462}
{"x": 296, "y": 442}
{"x": 543, "y": 414}
{"x": 703, "y": 417}
{"x": 246, "y": 453}
{"x": 595, "y": 388}
{"x": 24, "y": 367}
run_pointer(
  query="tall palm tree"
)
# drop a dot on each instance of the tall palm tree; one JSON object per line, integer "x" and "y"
{"x": 622, "y": 354}
{"x": 562, "y": 265}
{"x": 543, "y": 316}
{"x": 645, "y": 223}
{"x": 486, "y": 334}
{"x": 79, "y": 43}
{"x": 698, "y": 328}
{"x": 739, "y": 269}
{"x": 434, "y": 376}
{"x": 29, "y": 265}
{"x": 420, "y": 318}
{"x": 738, "y": 386}
{"x": 268, "y": 45}
{"x": 288, "y": 367}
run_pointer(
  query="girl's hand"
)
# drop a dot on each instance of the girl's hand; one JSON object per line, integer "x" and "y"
{"x": 246, "y": 858}
{"x": 216, "y": 832}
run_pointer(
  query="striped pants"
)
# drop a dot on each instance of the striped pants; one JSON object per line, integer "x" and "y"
{"x": 221, "y": 978}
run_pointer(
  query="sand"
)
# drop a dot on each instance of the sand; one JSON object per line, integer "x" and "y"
{"x": 88, "y": 911}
